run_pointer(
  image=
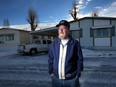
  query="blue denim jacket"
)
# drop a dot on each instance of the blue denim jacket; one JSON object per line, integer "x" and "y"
{"x": 73, "y": 62}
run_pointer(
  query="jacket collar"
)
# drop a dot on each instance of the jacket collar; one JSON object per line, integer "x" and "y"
{"x": 71, "y": 41}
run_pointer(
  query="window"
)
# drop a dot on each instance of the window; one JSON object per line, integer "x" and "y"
{"x": 113, "y": 31}
{"x": 1, "y": 37}
{"x": 38, "y": 42}
{"x": 101, "y": 33}
{"x": 49, "y": 41}
{"x": 81, "y": 33}
{"x": 91, "y": 32}
{"x": 76, "y": 33}
{"x": 44, "y": 42}
{"x": 9, "y": 37}
{"x": 35, "y": 37}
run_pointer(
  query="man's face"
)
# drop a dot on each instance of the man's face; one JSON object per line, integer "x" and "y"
{"x": 63, "y": 32}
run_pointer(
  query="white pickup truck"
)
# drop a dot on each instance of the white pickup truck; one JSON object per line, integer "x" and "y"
{"x": 37, "y": 46}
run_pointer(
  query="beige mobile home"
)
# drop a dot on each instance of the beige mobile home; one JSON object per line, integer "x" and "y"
{"x": 10, "y": 38}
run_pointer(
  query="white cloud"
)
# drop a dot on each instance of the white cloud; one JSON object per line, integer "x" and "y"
{"x": 27, "y": 26}
{"x": 109, "y": 11}
{"x": 80, "y": 1}
{"x": 51, "y": 17}
{"x": 114, "y": 4}
{"x": 69, "y": 17}
{"x": 86, "y": 3}
{"x": 83, "y": 3}
{"x": 88, "y": 0}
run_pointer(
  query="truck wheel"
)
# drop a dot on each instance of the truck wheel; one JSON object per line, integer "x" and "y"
{"x": 33, "y": 51}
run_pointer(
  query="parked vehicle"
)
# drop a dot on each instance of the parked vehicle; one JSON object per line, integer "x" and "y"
{"x": 37, "y": 46}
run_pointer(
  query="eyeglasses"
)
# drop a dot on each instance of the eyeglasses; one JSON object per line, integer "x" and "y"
{"x": 63, "y": 29}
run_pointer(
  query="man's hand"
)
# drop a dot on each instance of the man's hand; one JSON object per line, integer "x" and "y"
{"x": 52, "y": 75}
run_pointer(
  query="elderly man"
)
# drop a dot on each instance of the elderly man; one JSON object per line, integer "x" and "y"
{"x": 65, "y": 58}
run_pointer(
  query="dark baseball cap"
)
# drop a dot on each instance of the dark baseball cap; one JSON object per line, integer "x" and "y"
{"x": 63, "y": 22}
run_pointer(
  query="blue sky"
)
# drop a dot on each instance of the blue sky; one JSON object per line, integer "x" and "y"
{"x": 52, "y": 11}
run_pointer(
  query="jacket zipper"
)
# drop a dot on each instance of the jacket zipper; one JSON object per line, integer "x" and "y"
{"x": 61, "y": 61}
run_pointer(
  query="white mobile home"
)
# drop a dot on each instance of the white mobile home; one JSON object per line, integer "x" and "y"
{"x": 10, "y": 38}
{"x": 92, "y": 32}
{"x": 95, "y": 32}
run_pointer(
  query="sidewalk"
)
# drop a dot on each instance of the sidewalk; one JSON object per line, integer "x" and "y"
{"x": 90, "y": 53}
{"x": 104, "y": 60}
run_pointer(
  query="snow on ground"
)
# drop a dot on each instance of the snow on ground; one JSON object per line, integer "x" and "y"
{"x": 86, "y": 52}
{"x": 5, "y": 53}
{"x": 92, "y": 58}
{"x": 91, "y": 53}
{"x": 9, "y": 50}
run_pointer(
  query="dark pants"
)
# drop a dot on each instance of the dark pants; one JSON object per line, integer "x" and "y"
{"x": 65, "y": 83}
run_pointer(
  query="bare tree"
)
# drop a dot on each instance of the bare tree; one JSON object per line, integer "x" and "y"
{"x": 75, "y": 10}
{"x": 32, "y": 19}
{"x": 95, "y": 12}
{"x": 6, "y": 23}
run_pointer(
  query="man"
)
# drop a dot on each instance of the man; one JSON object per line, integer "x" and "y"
{"x": 65, "y": 58}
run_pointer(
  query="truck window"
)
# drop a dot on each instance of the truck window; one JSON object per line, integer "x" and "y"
{"x": 44, "y": 42}
{"x": 38, "y": 42}
{"x": 49, "y": 41}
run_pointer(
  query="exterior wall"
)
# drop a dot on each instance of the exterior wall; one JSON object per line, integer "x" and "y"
{"x": 114, "y": 37}
{"x": 99, "y": 43}
{"x": 24, "y": 37}
{"x": 74, "y": 25}
{"x": 98, "y": 22}
{"x": 102, "y": 41}
{"x": 106, "y": 23}
{"x": 16, "y": 36}
{"x": 10, "y": 45}
{"x": 86, "y": 40}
